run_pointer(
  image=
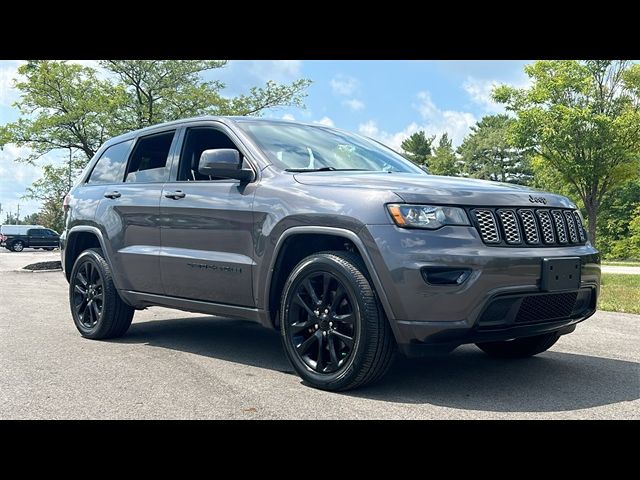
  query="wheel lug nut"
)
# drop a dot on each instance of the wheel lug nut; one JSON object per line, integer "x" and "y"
{"x": 324, "y": 334}
{"x": 317, "y": 312}
{"x": 326, "y": 310}
{"x": 316, "y": 326}
{"x": 331, "y": 324}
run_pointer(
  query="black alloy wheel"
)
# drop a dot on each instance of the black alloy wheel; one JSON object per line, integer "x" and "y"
{"x": 88, "y": 294}
{"x": 323, "y": 326}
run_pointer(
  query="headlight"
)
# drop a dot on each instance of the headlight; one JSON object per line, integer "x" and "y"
{"x": 426, "y": 216}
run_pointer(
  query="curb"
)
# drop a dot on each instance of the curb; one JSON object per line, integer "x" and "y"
{"x": 39, "y": 271}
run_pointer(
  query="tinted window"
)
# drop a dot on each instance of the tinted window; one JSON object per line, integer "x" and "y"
{"x": 36, "y": 231}
{"x": 51, "y": 233}
{"x": 197, "y": 141}
{"x": 149, "y": 159}
{"x": 306, "y": 147}
{"x": 110, "y": 167}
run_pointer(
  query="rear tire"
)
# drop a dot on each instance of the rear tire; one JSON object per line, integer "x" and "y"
{"x": 520, "y": 347}
{"x": 97, "y": 309}
{"x": 17, "y": 246}
{"x": 333, "y": 329}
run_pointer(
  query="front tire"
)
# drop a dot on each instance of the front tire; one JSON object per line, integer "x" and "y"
{"x": 97, "y": 309}
{"x": 17, "y": 246}
{"x": 520, "y": 347}
{"x": 333, "y": 328}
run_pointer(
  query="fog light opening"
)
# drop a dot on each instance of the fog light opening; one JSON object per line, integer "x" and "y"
{"x": 445, "y": 275}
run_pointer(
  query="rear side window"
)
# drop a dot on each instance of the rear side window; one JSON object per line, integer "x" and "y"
{"x": 148, "y": 162}
{"x": 110, "y": 167}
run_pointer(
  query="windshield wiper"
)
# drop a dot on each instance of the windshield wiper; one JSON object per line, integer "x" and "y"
{"x": 323, "y": 169}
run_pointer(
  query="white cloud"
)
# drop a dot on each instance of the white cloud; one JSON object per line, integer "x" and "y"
{"x": 354, "y": 104}
{"x": 325, "y": 121}
{"x": 480, "y": 93}
{"x": 288, "y": 116}
{"x": 8, "y": 72}
{"x": 479, "y": 90}
{"x": 344, "y": 85}
{"x": 277, "y": 70}
{"x": 435, "y": 121}
{"x": 16, "y": 177}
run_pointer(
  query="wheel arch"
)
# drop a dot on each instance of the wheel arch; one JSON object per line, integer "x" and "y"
{"x": 328, "y": 238}
{"x": 79, "y": 239}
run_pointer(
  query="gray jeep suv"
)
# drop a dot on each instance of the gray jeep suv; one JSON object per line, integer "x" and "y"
{"x": 347, "y": 248}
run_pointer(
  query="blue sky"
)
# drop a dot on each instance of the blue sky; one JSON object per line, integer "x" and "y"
{"x": 387, "y": 100}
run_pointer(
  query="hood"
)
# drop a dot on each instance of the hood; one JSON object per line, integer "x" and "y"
{"x": 418, "y": 188}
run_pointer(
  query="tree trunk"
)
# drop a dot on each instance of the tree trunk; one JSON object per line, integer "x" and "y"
{"x": 592, "y": 214}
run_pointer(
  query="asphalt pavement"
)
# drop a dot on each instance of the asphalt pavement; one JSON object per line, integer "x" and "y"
{"x": 174, "y": 365}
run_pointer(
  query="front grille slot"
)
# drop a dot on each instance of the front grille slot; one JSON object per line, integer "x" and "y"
{"x": 487, "y": 226}
{"x": 540, "y": 227}
{"x": 510, "y": 226}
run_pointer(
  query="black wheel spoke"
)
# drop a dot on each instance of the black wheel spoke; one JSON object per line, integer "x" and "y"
{"x": 96, "y": 312}
{"x": 346, "y": 318}
{"x": 296, "y": 328}
{"x": 79, "y": 289}
{"x": 298, "y": 299}
{"x": 326, "y": 280}
{"x": 332, "y": 351}
{"x": 304, "y": 346}
{"x": 82, "y": 279}
{"x": 320, "y": 359}
{"x": 312, "y": 293}
{"x": 348, "y": 341}
{"x": 337, "y": 298}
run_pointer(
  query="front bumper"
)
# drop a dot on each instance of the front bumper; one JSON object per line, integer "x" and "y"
{"x": 445, "y": 316}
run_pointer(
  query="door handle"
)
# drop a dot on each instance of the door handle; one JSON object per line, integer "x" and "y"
{"x": 114, "y": 194}
{"x": 175, "y": 195}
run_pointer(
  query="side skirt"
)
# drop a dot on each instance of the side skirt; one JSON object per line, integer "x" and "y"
{"x": 142, "y": 300}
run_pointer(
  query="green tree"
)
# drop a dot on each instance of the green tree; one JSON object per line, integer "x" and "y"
{"x": 617, "y": 214}
{"x": 31, "y": 219}
{"x": 488, "y": 153}
{"x": 583, "y": 119}
{"x": 444, "y": 161}
{"x": 418, "y": 147}
{"x": 628, "y": 247}
{"x": 72, "y": 107}
{"x": 50, "y": 189}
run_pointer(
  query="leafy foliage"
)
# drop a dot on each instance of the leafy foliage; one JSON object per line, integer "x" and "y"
{"x": 69, "y": 106}
{"x": 583, "y": 119}
{"x": 418, "y": 147}
{"x": 488, "y": 153}
{"x": 444, "y": 160}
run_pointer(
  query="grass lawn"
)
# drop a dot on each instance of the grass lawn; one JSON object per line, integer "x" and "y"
{"x": 620, "y": 293}
{"x": 622, "y": 263}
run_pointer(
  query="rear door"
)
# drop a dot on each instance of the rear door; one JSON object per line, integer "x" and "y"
{"x": 207, "y": 226}
{"x": 129, "y": 213}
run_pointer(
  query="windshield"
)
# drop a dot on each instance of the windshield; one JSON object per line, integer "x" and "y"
{"x": 302, "y": 148}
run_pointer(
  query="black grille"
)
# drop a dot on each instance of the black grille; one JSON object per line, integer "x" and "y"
{"x": 540, "y": 308}
{"x": 538, "y": 227}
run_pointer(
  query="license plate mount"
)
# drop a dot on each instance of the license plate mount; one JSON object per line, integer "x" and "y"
{"x": 560, "y": 274}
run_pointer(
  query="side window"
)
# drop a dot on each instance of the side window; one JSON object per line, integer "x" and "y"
{"x": 111, "y": 165}
{"x": 197, "y": 140}
{"x": 36, "y": 231}
{"x": 51, "y": 233}
{"x": 148, "y": 161}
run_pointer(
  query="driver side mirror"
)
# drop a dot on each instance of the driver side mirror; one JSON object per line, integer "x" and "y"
{"x": 225, "y": 163}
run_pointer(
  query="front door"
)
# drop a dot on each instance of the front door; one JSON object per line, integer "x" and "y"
{"x": 206, "y": 228}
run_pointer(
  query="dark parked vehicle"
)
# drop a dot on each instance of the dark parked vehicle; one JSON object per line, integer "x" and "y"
{"x": 18, "y": 237}
{"x": 347, "y": 248}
